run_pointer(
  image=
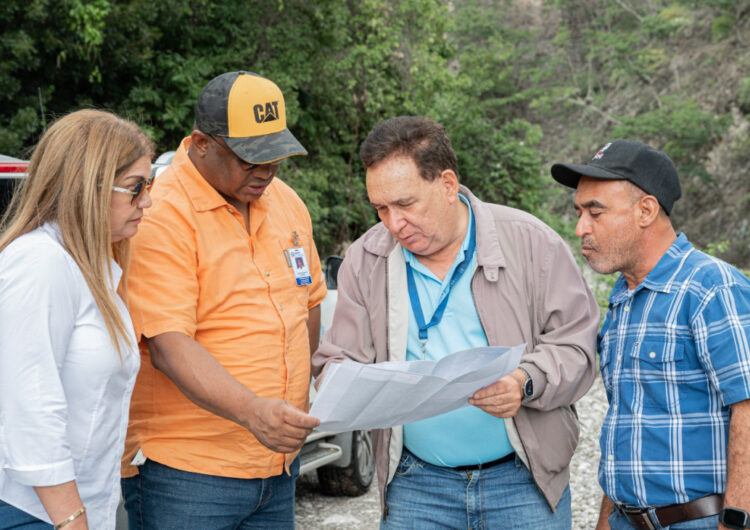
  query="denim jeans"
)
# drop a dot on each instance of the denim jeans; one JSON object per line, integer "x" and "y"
{"x": 423, "y": 496}
{"x": 169, "y": 499}
{"x": 12, "y": 517}
{"x": 620, "y": 522}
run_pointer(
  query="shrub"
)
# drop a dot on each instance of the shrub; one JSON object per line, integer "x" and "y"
{"x": 721, "y": 27}
{"x": 743, "y": 95}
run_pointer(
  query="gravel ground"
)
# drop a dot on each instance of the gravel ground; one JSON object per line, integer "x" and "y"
{"x": 586, "y": 494}
{"x": 314, "y": 510}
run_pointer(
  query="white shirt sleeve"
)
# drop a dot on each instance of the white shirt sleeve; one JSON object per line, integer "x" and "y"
{"x": 39, "y": 299}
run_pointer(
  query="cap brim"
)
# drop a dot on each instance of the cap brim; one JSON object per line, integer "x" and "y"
{"x": 570, "y": 174}
{"x": 267, "y": 148}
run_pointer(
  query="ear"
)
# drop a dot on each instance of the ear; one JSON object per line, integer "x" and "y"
{"x": 449, "y": 184}
{"x": 649, "y": 209}
{"x": 199, "y": 142}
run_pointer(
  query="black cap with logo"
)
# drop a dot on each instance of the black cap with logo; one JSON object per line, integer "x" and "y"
{"x": 649, "y": 169}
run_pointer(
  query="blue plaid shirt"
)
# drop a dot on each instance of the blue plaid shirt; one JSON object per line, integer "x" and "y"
{"x": 674, "y": 354}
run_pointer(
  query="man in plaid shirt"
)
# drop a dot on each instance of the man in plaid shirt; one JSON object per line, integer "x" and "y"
{"x": 674, "y": 351}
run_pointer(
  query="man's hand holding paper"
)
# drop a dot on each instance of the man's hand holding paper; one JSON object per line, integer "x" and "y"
{"x": 503, "y": 397}
{"x": 357, "y": 396}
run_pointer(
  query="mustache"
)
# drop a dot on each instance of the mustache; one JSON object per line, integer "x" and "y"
{"x": 588, "y": 242}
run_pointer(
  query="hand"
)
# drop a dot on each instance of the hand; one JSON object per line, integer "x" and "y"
{"x": 502, "y": 398}
{"x": 278, "y": 425}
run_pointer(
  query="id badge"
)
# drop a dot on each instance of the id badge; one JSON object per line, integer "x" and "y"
{"x": 298, "y": 261}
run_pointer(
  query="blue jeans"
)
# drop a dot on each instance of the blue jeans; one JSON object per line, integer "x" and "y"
{"x": 620, "y": 522}
{"x": 169, "y": 499}
{"x": 423, "y": 496}
{"x": 12, "y": 517}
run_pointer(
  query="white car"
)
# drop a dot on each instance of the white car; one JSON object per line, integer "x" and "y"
{"x": 344, "y": 462}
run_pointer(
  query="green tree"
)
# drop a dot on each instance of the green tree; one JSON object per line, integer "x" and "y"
{"x": 342, "y": 65}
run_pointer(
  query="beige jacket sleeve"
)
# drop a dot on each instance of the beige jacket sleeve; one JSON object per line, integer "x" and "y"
{"x": 562, "y": 361}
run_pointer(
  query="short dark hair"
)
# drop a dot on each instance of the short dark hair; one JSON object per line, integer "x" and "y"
{"x": 420, "y": 138}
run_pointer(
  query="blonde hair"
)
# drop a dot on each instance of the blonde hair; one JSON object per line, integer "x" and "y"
{"x": 70, "y": 178}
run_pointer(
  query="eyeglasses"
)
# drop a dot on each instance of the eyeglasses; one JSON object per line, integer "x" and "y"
{"x": 138, "y": 188}
{"x": 246, "y": 166}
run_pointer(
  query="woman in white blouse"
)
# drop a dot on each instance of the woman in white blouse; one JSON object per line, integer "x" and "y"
{"x": 68, "y": 354}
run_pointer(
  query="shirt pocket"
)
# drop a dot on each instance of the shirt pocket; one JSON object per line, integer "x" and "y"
{"x": 655, "y": 373}
{"x": 301, "y": 293}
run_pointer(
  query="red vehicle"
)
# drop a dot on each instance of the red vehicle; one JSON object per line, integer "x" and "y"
{"x": 12, "y": 170}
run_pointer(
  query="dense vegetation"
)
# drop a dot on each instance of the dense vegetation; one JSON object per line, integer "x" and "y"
{"x": 518, "y": 84}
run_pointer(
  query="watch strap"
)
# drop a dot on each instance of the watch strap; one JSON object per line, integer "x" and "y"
{"x": 734, "y": 518}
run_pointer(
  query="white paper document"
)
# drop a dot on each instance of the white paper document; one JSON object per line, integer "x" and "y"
{"x": 356, "y": 396}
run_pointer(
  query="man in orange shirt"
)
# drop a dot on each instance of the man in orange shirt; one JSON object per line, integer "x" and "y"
{"x": 227, "y": 318}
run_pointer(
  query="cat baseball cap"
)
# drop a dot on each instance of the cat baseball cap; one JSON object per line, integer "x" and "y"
{"x": 248, "y": 112}
{"x": 644, "y": 166}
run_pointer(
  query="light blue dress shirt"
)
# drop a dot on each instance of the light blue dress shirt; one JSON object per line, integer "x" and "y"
{"x": 468, "y": 435}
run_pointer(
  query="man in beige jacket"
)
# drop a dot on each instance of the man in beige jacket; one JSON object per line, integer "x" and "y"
{"x": 443, "y": 272}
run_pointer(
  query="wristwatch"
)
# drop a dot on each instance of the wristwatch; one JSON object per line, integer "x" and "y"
{"x": 734, "y": 518}
{"x": 528, "y": 387}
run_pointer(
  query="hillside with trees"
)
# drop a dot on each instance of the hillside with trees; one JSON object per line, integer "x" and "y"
{"x": 518, "y": 84}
